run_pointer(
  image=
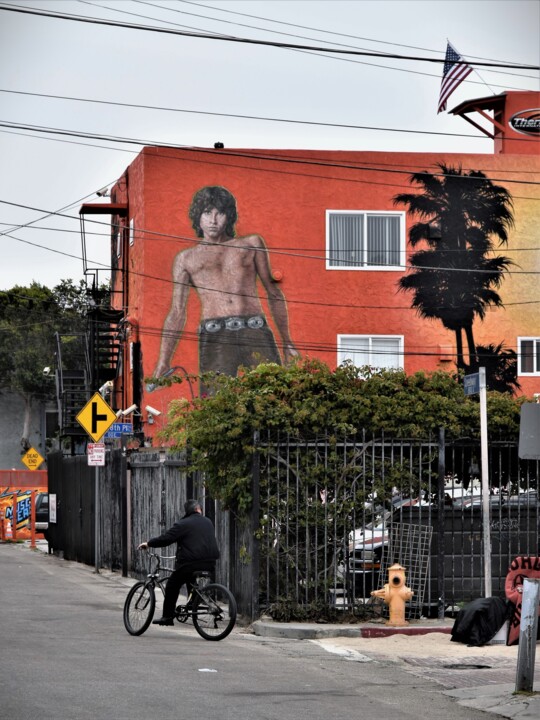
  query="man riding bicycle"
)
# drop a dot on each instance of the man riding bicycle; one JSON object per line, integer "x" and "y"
{"x": 197, "y": 550}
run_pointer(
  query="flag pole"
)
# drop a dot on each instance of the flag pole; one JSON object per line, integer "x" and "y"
{"x": 473, "y": 68}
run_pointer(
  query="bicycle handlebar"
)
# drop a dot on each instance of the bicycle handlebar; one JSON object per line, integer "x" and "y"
{"x": 159, "y": 558}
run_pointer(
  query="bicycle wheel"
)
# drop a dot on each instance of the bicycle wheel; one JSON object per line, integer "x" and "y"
{"x": 139, "y": 608}
{"x": 214, "y": 611}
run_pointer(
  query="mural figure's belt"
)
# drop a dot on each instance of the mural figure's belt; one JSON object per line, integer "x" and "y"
{"x": 239, "y": 322}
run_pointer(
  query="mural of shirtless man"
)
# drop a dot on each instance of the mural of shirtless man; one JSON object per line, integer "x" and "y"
{"x": 224, "y": 271}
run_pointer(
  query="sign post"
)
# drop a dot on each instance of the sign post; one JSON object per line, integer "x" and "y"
{"x": 96, "y": 417}
{"x": 472, "y": 384}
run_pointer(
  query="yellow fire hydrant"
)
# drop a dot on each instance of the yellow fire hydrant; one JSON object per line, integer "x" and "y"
{"x": 395, "y": 594}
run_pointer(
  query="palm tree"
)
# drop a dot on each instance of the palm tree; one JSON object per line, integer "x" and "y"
{"x": 456, "y": 278}
{"x": 501, "y": 367}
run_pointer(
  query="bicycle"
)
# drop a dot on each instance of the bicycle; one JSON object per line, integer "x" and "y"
{"x": 211, "y": 606}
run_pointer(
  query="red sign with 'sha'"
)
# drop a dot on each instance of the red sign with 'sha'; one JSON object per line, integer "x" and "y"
{"x": 520, "y": 569}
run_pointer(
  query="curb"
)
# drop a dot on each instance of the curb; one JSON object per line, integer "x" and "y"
{"x": 314, "y": 631}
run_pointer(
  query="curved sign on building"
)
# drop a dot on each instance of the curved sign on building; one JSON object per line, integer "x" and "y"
{"x": 526, "y": 122}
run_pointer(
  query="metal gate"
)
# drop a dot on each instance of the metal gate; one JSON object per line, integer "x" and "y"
{"x": 329, "y": 507}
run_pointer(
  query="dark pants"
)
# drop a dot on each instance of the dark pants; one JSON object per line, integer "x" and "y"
{"x": 182, "y": 575}
{"x": 224, "y": 350}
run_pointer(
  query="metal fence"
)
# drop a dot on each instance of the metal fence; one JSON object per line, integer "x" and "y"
{"x": 335, "y": 512}
{"x": 329, "y": 515}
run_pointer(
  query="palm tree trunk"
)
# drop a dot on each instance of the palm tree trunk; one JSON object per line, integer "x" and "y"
{"x": 473, "y": 358}
{"x": 25, "y": 439}
{"x": 459, "y": 350}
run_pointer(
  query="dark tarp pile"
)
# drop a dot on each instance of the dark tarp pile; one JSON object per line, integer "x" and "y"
{"x": 479, "y": 621}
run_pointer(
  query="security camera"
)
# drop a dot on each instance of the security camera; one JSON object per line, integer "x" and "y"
{"x": 104, "y": 192}
{"x": 46, "y": 371}
{"x": 129, "y": 410}
{"x": 152, "y": 410}
{"x": 106, "y": 388}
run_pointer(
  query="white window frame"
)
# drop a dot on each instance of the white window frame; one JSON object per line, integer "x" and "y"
{"x": 536, "y": 340}
{"x": 343, "y": 355}
{"x": 362, "y": 264}
{"x": 118, "y": 238}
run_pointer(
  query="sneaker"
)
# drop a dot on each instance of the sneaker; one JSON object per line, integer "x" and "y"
{"x": 163, "y": 621}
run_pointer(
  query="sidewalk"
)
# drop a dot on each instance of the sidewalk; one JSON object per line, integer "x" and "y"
{"x": 478, "y": 677}
{"x": 483, "y": 678}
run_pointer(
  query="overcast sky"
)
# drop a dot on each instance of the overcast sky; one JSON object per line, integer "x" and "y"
{"x": 44, "y": 173}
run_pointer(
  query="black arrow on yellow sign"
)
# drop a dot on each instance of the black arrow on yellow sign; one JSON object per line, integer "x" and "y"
{"x": 96, "y": 417}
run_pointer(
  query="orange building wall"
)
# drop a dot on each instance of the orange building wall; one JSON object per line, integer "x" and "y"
{"x": 283, "y": 196}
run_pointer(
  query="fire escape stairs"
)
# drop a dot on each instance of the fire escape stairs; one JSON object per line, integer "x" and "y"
{"x": 84, "y": 371}
{"x": 105, "y": 343}
{"x": 72, "y": 387}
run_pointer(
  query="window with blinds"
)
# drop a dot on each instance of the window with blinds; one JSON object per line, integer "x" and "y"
{"x": 376, "y": 351}
{"x": 365, "y": 240}
{"x": 528, "y": 356}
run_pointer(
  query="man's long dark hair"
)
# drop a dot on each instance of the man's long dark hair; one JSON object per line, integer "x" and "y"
{"x": 213, "y": 196}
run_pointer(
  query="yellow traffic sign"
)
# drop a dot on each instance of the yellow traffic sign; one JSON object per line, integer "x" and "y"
{"x": 96, "y": 417}
{"x": 32, "y": 459}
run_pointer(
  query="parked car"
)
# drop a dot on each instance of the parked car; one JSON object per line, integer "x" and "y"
{"x": 529, "y": 498}
{"x": 477, "y": 501}
{"x": 42, "y": 513}
{"x": 364, "y": 555}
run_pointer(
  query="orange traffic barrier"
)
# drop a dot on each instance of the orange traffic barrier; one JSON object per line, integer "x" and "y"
{"x": 14, "y": 518}
{"x": 33, "y": 495}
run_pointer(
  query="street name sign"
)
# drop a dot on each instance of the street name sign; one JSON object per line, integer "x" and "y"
{"x": 118, "y": 429}
{"x": 96, "y": 417}
{"x": 471, "y": 384}
{"x": 96, "y": 454}
{"x": 32, "y": 459}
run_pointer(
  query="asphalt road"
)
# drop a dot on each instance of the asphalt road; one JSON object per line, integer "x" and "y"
{"x": 65, "y": 655}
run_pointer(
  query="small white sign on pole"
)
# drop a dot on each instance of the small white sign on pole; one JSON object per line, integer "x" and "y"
{"x": 52, "y": 507}
{"x": 96, "y": 454}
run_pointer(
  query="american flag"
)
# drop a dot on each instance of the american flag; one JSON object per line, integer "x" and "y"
{"x": 454, "y": 72}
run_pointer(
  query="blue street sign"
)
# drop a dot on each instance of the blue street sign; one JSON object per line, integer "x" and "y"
{"x": 118, "y": 429}
{"x": 471, "y": 384}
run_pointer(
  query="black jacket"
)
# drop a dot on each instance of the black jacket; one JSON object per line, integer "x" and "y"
{"x": 195, "y": 537}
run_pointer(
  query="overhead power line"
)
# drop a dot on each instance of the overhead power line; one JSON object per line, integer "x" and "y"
{"x": 119, "y": 9}
{"x": 297, "y": 173}
{"x": 242, "y": 117}
{"x": 236, "y": 116}
{"x": 246, "y": 154}
{"x": 142, "y": 231}
{"x": 275, "y": 248}
{"x": 281, "y": 22}
{"x": 303, "y": 347}
{"x": 250, "y": 41}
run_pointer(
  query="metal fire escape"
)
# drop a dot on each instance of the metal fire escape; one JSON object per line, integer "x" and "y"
{"x": 85, "y": 364}
{"x": 89, "y": 362}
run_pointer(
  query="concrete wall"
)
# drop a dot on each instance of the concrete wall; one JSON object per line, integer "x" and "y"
{"x": 11, "y": 427}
